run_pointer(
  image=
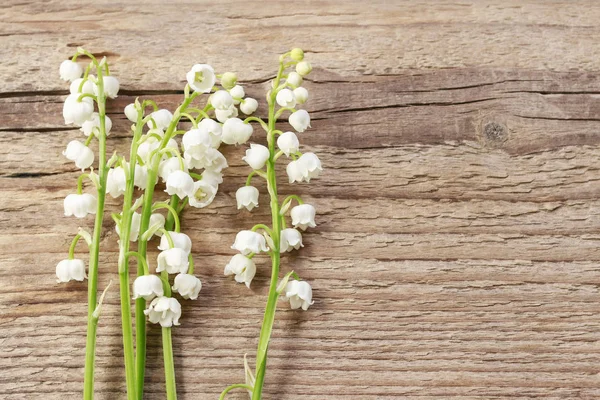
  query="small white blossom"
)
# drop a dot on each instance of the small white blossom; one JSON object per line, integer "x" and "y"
{"x": 147, "y": 287}
{"x": 111, "y": 87}
{"x": 77, "y": 112}
{"x": 303, "y": 68}
{"x": 68, "y": 270}
{"x": 294, "y": 171}
{"x": 140, "y": 178}
{"x": 196, "y": 142}
{"x": 228, "y": 80}
{"x": 92, "y": 125}
{"x": 238, "y": 93}
{"x": 213, "y": 128}
{"x": 204, "y": 194}
{"x": 116, "y": 182}
{"x": 248, "y": 105}
{"x": 80, "y": 205}
{"x": 247, "y": 242}
{"x": 294, "y": 79}
{"x": 301, "y": 95}
{"x": 168, "y": 166}
{"x": 303, "y": 216}
{"x": 157, "y": 219}
{"x": 247, "y": 197}
{"x": 180, "y": 183}
{"x": 162, "y": 118}
{"x": 88, "y": 86}
{"x": 212, "y": 177}
{"x": 235, "y": 131}
{"x": 131, "y": 112}
{"x": 299, "y": 293}
{"x": 164, "y": 310}
{"x": 147, "y": 147}
{"x": 288, "y": 143}
{"x": 226, "y": 113}
{"x": 134, "y": 230}
{"x": 310, "y": 165}
{"x": 300, "y": 120}
{"x": 180, "y": 240}
{"x": 188, "y": 286}
{"x": 242, "y": 267}
{"x": 78, "y": 152}
{"x": 201, "y": 78}
{"x": 256, "y": 156}
{"x": 291, "y": 239}
{"x": 221, "y": 100}
{"x": 70, "y": 70}
{"x": 285, "y": 98}
{"x": 174, "y": 261}
{"x": 211, "y": 159}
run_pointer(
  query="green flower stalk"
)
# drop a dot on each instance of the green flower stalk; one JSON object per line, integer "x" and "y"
{"x": 285, "y": 95}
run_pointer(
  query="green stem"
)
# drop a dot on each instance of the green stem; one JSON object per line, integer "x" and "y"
{"x": 92, "y": 324}
{"x": 169, "y": 364}
{"x": 235, "y": 386}
{"x": 269, "y": 317}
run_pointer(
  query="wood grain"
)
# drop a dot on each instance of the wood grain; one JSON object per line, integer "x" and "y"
{"x": 459, "y": 223}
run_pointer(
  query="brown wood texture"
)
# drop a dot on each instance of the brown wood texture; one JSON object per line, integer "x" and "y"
{"x": 456, "y": 255}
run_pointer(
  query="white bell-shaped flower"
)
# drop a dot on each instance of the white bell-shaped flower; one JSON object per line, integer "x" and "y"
{"x": 174, "y": 261}
{"x": 303, "y": 216}
{"x": 70, "y": 70}
{"x": 80, "y": 153}
{"x": 248, "y": 105}
{"x": 88, "y": 86}
{"x": 131, "y": 112}
{"x": 212, "y": 177}
{"x": 147, "y": 147}
{"x": 159, "y": 220}
{"x": 238, "y": 93}
{"x": 180, "y": 240}
{"x": 168, "y": 166}
{"x": 295, "y": 171}
{"x": 242, "y": 267}
{"x": 256, "y": 156}
{"x": 92, "y": 125}
{"x": 180, "y": 183}
{"x": 165, "y": 311}
{"x": 235, "y": 131}
{"x": 211, "y": 159}
{"x": 147, "y": 287}
{"x": 223, "y": 114}
{"x": 188, "y": 286}
{"x": 300, "y": 120}
{"x": 310, "y": 165}
{"x": 294, "y": 79}
{"x": 204, "y": 194}
{"x": 291, "y": 239}
{"x": 247, "y": 197}
{"x": 80, "y": 205}
{"x": 303, "y": 68}
{"x": 77, "y": 112}
{"x": 70, "y": 270}
{"x": 301, "y": 95}
{"x": 221, "y": 100}
{"x": 116, "y": 182}
{"x": 111, "y": 87}
{"x": 247, "y": 242}
{"x": 162, "y": 118}
{"x": 196, "y": 142}
{"x": 140, "y": 178}
{"x": 213, "y": 128}
{"x": 134, "y": 230}
{"x": 288, "y": 143}
{"x": 299, "y": 294}
{"x": 201, "y": 78}
{"x": 285, "y": 98}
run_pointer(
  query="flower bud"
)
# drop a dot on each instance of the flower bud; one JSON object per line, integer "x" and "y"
{"x": 237, "y": 92}
{"x": 164, "y": 310}
{"x": 256, "y": 156}
{"x": 288, "y": 143}
{"x": 131, "y": 112}
{"x": 228, "y": 80}
{"x": 147, "y": 287}
{"x": 285, "y": 98}
{"x": 303, "y": 68}
{"x": 297, "y": 54}
{"x": 294, "y": 79}
{"x": 68, "y": 270}
{"x": 70, "y": 70}
{"x": 80, "y": 205}
{"x": 221, "y": 100}
{"x": 242, "y": 267}
{"x": 162, "y": 118}
{"x": 301, "y": 95}
{"x": 80, "y": 153}
{"x": 303, "y": 216}
{"x": 248, "y": 105}
{"x": 247, "y": 242}
{"x": 188, "y": 286}
{"x": 300, "y": 120}
{"x": 247, "y": 197}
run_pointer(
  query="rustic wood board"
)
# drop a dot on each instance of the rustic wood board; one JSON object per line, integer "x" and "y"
{"x": 457, "y": 248}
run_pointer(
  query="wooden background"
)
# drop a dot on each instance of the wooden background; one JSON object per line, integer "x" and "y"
{"x": 457, "y": 249}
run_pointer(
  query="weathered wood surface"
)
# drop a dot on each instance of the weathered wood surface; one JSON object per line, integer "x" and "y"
{"x": 457, "y": 248}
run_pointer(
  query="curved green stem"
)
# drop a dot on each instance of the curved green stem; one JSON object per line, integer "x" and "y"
{"x": 235, "y": 386}
{"x": 172, "y": 211}
{"x": 73, "y": 244}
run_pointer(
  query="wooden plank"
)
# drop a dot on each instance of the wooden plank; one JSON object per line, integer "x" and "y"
{"x": 457, "y": 248}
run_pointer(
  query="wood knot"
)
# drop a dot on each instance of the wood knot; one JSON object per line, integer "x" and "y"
{"x": 495, "y": 132}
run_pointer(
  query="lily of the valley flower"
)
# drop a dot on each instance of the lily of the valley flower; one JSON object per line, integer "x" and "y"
{"x": 162, "y": 118}
{"x": 201, "y": 78}
{"x": 78, "y": 152}
{"x": 116, "y": 182}
{"x": 168, "y": 166}
{"x": 303, "y": 68}
{"x": 247, "y": 197}
{"x": 242, "y": 267}
{"x": 80, "y": 205}
{"x": 213, "y": 128}
{"x": 180, "y": 183}
{"x": 238, "y": 93}
{"x": 285, "y": 98}
{"x": 308, "y": 166}
{"x": 159, "y": 220}
{"x": 294, "y": 79}
{"x": 303, "y": 216}
{"x": 111, "y": 87}
{"x": 204, "y": 194}
{"x": 188, "y": 286}
{"x": 300, "y": 120}
{"x": 235, "y": 131}
{"x": 180, "y": 240}
{"x": 248, "y": 105}
{"x": 68, "y": 270}
{"x": 174, "y": 261}
{"x": 221, "y": 100}
{"x": 77, "y": 112}
{"x": 211, "y": 159}
{"x": 299, "y": 293}
{"x": 134, "y": 231}
{"x": 247, "y": 242}
{"x": 147, "y": 287}
{"x": 92, "y": 125}
{"x": 88, "y": 86}
{"x": 256, "y": 156}
{"x": 288, "y": 143}
{"x": 131, "y": 112}
{"x": 291, "y": 239}
{"x": 164, "y": 310}
{"x": 301, "y": 95}
{"x": 196, "y": 142}
{"x": 70, "y": 70}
